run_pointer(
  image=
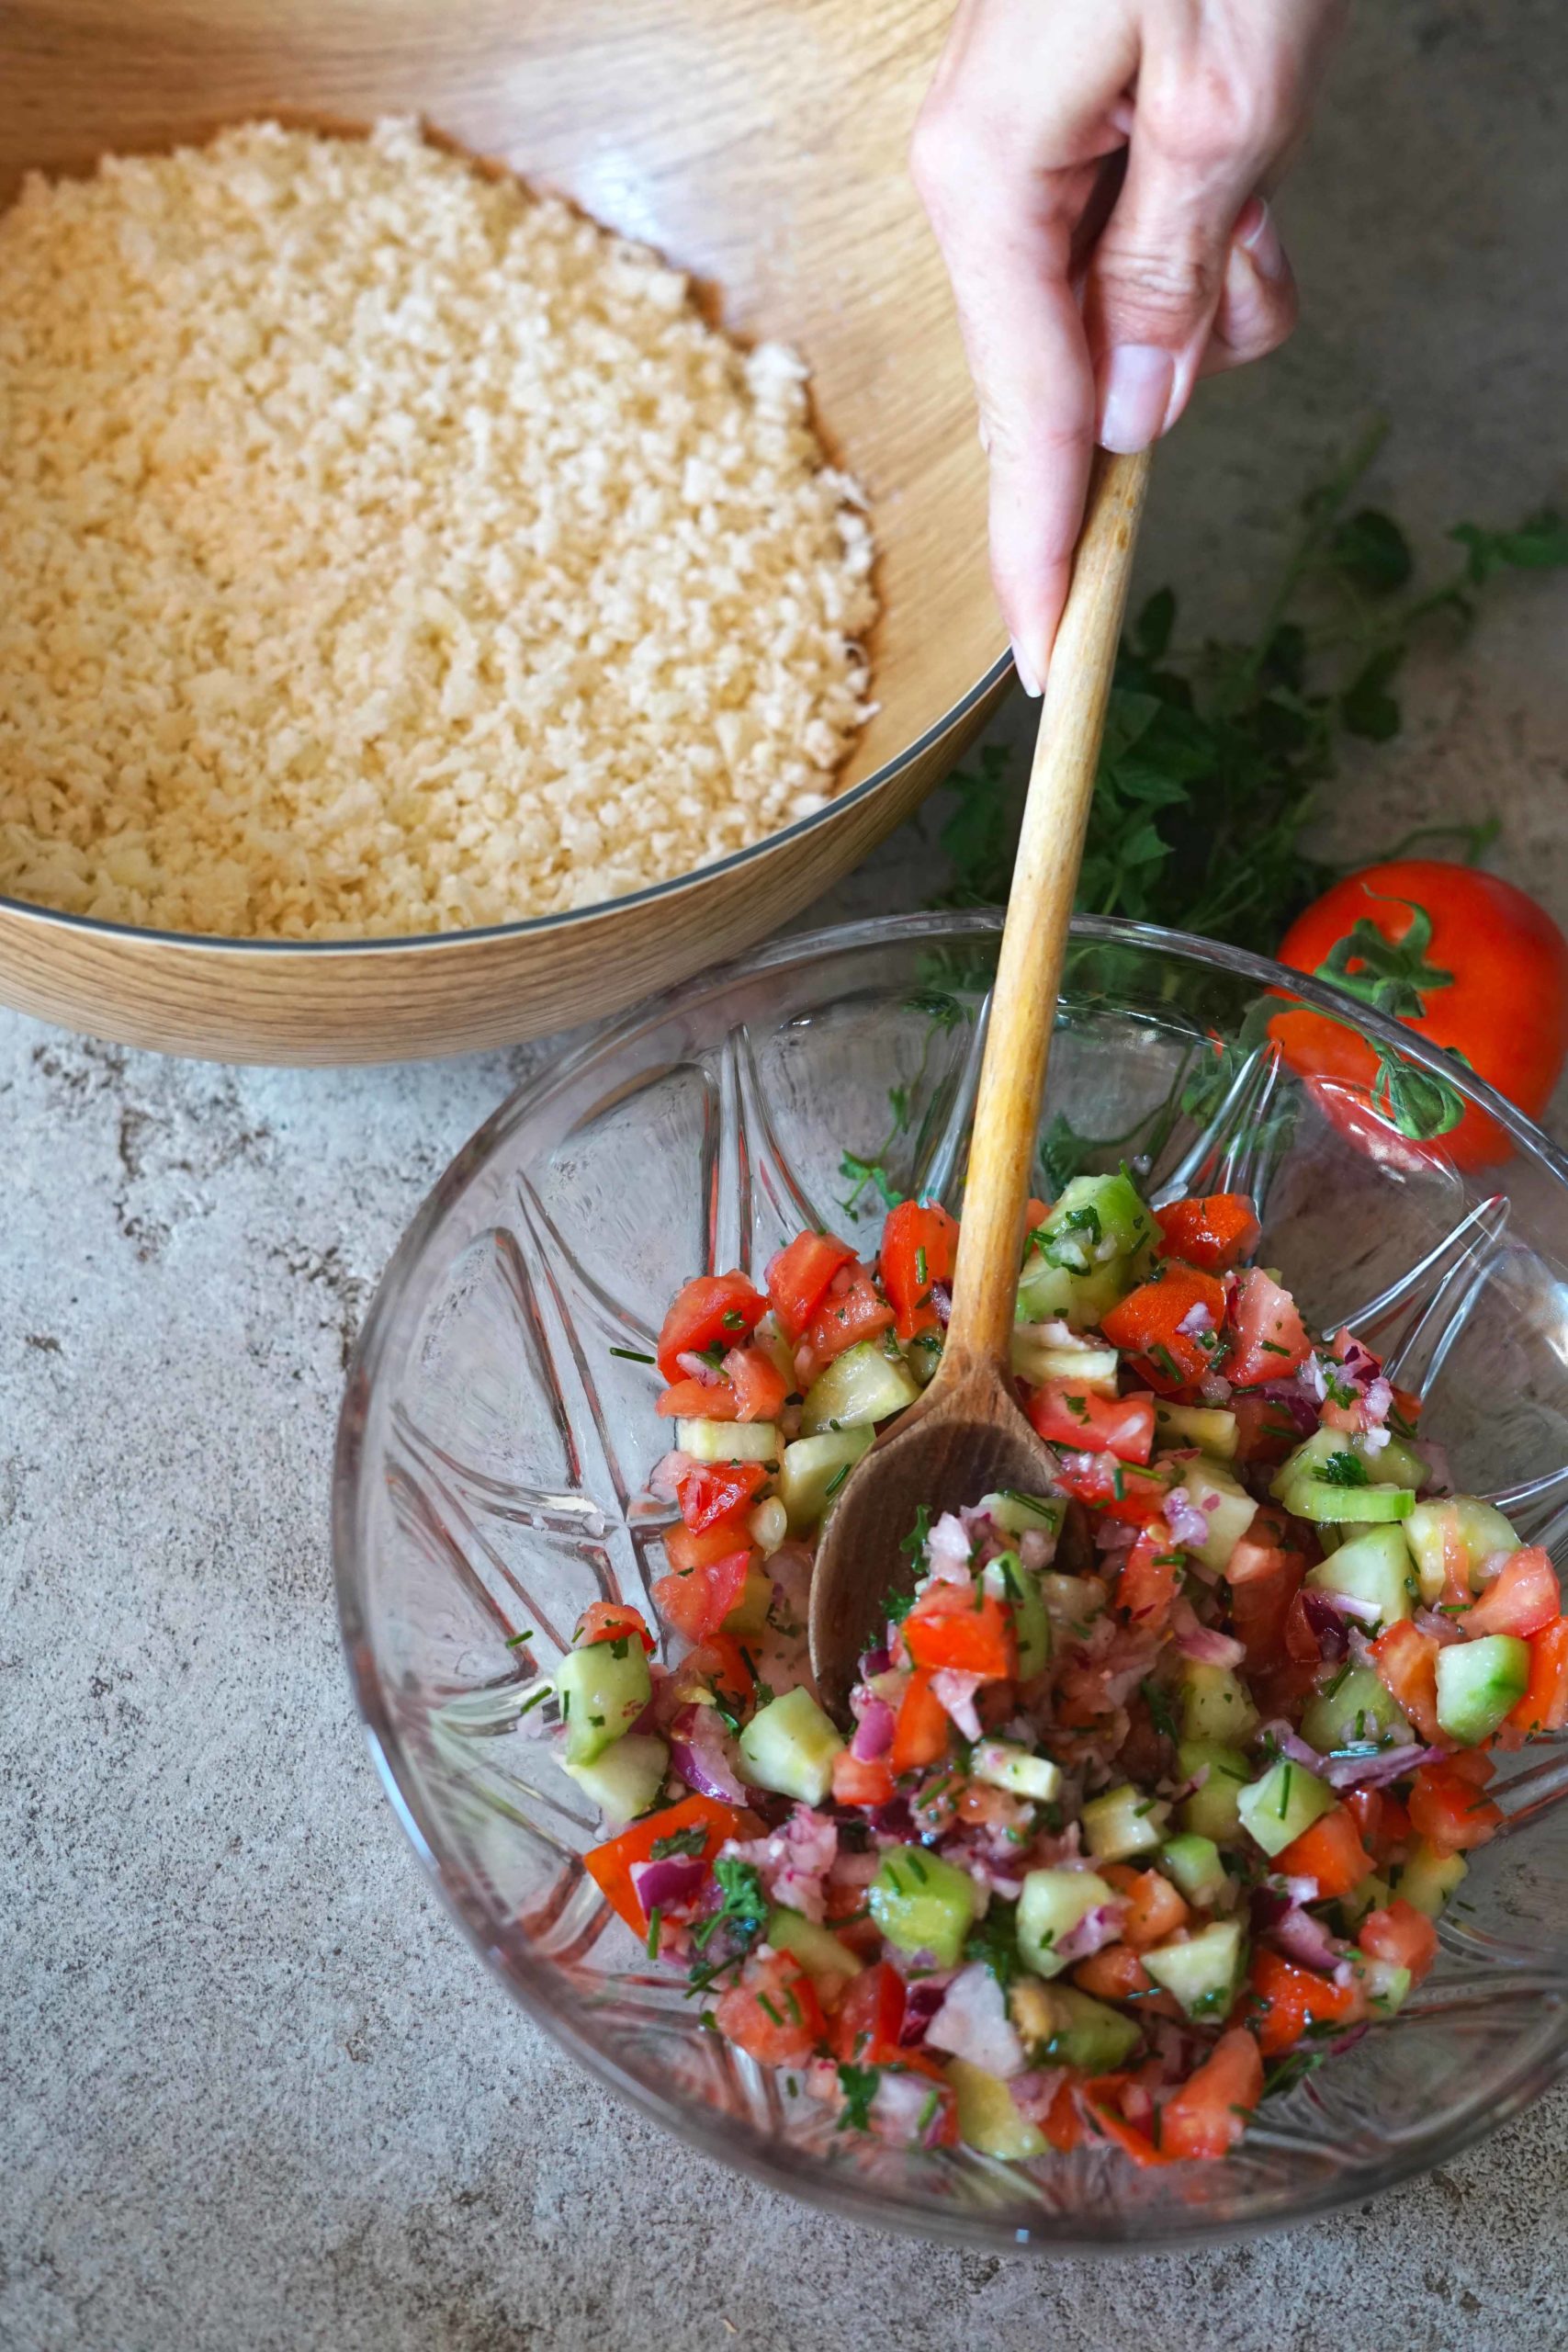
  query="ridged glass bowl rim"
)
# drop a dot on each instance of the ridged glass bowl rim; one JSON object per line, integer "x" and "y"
{"x": 536, "y": 1983}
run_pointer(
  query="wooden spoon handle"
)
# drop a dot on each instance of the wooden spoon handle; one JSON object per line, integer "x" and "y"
{"x": 1044, "y": 881}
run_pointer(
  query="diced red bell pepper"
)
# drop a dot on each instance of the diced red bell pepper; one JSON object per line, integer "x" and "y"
{"x": 923, "y": 1727}
{"x": 713, "y": 1310}
{"x": 1450, "y": 1810}
{"x": 611, "y": 1621}
{"x": 798, "y": 1278}
{"x": 967, "y": 1632}
{"x": 1523, "y": 1600}
{"x": 1215, "y": 1232}
{"x": 1270, "y": 1339}
{"x": 1406, "y": 1663}
{"x": 1400, "y": 1935}
{"x": 773, "y": 2012}
{"x": 1101, "y": 2099}
{"x": 1331, "y": 1851}
{"x": 1286, "y": 1999}
{"x": 920, "y": 1247}
{"x": 1151, "y": 1578}
{"x": 862, "y": 1780}
{"x": 855, "y": 1313}
{"x": 696, "y": 1399}
{"x": 1121, "y": 1489}
{"x": 1544, "y": 1706}
{"x": 1147, "y": 1324}
{"x": 1208, "y": 2115}
{"x": 711, "y": 1491}
{"x": 871, "y": 2018}
{"x": 697, "y": 1600}
{"x": 610, "y": 1865}
{"x": 1123, "y": 1426}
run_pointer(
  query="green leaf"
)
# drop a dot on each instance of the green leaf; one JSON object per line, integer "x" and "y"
{"x": 1371, "y": 552}
{"x": 1390, "y": 975}
{"x": 861, "y": 1172}
{"x": 1365, "y": 707}
{"x": 1151, "y": 631}
{"x": 1539, "y": 544}
{"x": 980, "y": 835}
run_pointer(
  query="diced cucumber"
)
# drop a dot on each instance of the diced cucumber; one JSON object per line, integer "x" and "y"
{"x": 826, "y": 1960}
{"x": 1283, "y": 1802}
{"x": 859, "y": 1387}
{"x": 1430, "y": 1878}
{"x": 1321, "y": 1499}
{"x": 1376, "y": 1568}
{"x": 1124, "y": 1821}
{"x": 923, "y": 1355}
{"x": 812, "y": 1470}
{"x": 1202, "y": 1970}
{"x": 1371, "y": 1894}
{"x": 1399, "y": 1463}
{"x": 775, "y": 1346}
{"x": 789, "y": 1747}
{"x": 1004, "y": 1765}
{"x": 987, "y": 2118}
{"x": 749, "y": 1614}
{"x": 1478, "y": 1683}
{"x": 1046, "y": 1293}
{"x": 603, "y": 1689}
{"x": 1062, "y": 2027}
{"x": 1386, "y": 1986}
{"x": 1194, "y": 1866}
{"x": 922, "y": 1903}
{"x": 1090, "y": 1370}
{"x": 1096, "y": 1220}
{"x": 729, "y": 1440}
{"x": 1214, "y": 1810}
{"x": 1007, "y": 1576}
{"x": 1072, "y": 1603}
{"x": 1352, "y": 1710}
{"x": 623, "y": 1779}
{"x": 1331, "y": 1477}
{"x": 1050, "y": 1908}
{"x": 1017, "y": 1514}
{"x": 1215, "y": 1704}
{"x": 1477, "y": 1528}
{"x": 1225, "y": 1504}
{"x": 1210, "y": 1428}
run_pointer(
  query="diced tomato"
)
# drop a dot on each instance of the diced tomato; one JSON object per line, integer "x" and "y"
{"x": 1544, "y": 1706}
{"x": 920, "y": 1247}
{"x": 1406, "y": 1663}
{"x": 1264, "y": 1577}
{"x": 1286, "y": 1999}
{"x": 1331, "y": 1851}
{"x": 1472, "y": 1764}
{"x": 1147, "y": 1324}
{"x": 798, "y": 1278}
{"x": 759, "y": 1386}
{"x": 610, "y": 1865}
{"x": 1101, "y": 2099}
{"x": 871, "y": 2018}
{"x": 1270, "y": 1338}
{"x": 699, "y": 1400}
{"x": 1400, "y": 1935}
{"x": 611, "y": 1621}
{"x": 1207, "y": 2117}
{"x": 1064, "y": 2124}
{"x": 1151, "y": 1578}
{"x": 685, "y": 1550}
{"x": 725, "y": 1665}
{"x": 920, "y": 1731}
{"x": 844, "y": 1317}
{"x": 1523, "y": 1600}
{"x": 1448, "y": 1810}
{"x": 966, "y": 1630}
{"x": 1264, "y": 1429}
{"x": 1123, "y": 1426}
{"x": 1215, "y": 1233}
{"x": 1034, "y": 1214}
{"x": 713, "y": 1310}
{"x": 1367, "y": 1809}
{"x": 1113, "y": 1973}
{"x": 711, "y": 1491}
{"x": 862, "y": 1780}
{"x": 773, "y": 2013}
{"x": 697, "y": 1600}
{"x": 1154, "y": 1908}
{"x": 1121, "y": 1489}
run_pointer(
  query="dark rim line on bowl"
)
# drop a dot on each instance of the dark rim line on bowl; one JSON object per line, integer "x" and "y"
{"x": 728, "y": 2138}
{"x": 199, "y": 940}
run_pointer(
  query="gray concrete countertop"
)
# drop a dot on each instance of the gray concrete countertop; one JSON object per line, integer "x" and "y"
{"x": 255, "y": 2090}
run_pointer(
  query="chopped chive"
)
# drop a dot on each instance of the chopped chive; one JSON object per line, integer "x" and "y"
{"x": 633, "y": 1355}
{"x": 768, "y": 2009}
{"x": 655, "y": 1921}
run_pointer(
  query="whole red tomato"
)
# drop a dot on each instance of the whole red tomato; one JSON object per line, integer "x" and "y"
{"x": 1462, "y": 958}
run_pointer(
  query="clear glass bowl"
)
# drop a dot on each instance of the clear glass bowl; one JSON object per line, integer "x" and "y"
{"x": 494, "y": 1449}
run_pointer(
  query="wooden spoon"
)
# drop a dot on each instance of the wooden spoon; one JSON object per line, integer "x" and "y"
{"x": 967, "y": 1435}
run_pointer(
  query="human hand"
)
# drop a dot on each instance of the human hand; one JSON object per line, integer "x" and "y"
{"x": 1095, "y": 172}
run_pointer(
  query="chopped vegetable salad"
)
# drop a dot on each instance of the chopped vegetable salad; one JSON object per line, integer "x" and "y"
{"x": 1153, "y": 1783}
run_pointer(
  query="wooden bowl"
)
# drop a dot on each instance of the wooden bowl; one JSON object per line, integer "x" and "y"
{"x": 759, "y": 144}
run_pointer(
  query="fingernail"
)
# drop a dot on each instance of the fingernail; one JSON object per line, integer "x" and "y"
{"x": 1135, "y": 395}
{"x": 1026, "y": 677}
{"x": 1260, "y": 239}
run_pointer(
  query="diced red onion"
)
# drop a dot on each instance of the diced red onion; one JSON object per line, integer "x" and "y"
{"x": 1215, "y": 1388}
{"x": 1114, "y": 1535}
{"x": 1305, "y": 1941}
{"x": 696, "y": 1367}
{"x": 947, "y": 1545}
{"x": 894, "y": 1819}
{"x": 1439, "y": 1628}
{"x": 1491, "y": 1567}
{"x": 1209, "y": 1648}
{"x": 1326, "y": 1626}
{"x": 1300, "y": 1408}
{"x": 1292, "y": 1746}
{"x": 1373, "y": 1770}
{"x": 1036, "y": 1549}
{"x": 1093, "y": 1932}
{"x": 1186, "y": 1521}
{"x": 941, "y": 1299}
{"x": 699, "y": 1753}
{"x": 1349, "y": 1604}
{"x": 973, "y": 2023}
{"x": 1198, "y": 1317}
{"x": 1034, "y": 2092}
{"x": 875, "y": 1661}
{"x": 1439, "y": 1477}
{"x": 671, "y": 1884}
{"x": 873, "y": 1733}
{"x": 1379, "y": 1399}
{"x": 662, "y": 1477}
{"x": 922, "y": 1998}
{"x": 954, "y": 1693}
{"x": 903, "y": 2113}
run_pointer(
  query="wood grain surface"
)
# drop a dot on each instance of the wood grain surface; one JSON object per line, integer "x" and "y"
{"x": 759, "y": 144}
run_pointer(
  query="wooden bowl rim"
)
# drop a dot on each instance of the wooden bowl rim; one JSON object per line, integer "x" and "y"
{"x": 97, "y": 926}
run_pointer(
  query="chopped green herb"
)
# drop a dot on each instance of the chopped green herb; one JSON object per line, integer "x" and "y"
{"x": 1158, "y": 1706}
{"x": 1161, "y": 1355}
{"x": 836, "y": 1481}
{"x": 689, "y": 1842}
{"x": 655, "y": 1921}
{"x": 536, "y": 1699}
{"x": 744, "y": 1912}
{"x": 515, "y": 1641}
{"x": 768, "y": 2009}
{"x": 859, "y": 2087}
{"x": 915, "y": 1541}
{"x": 994, "y": 1940}
{"x": 1345, "y": 1469}
{"x": 920, "y": 1263}
{"x": 633, "y": 1355}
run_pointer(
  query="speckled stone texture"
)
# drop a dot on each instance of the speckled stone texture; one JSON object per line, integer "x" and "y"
{"x": 255, "y": 2090}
